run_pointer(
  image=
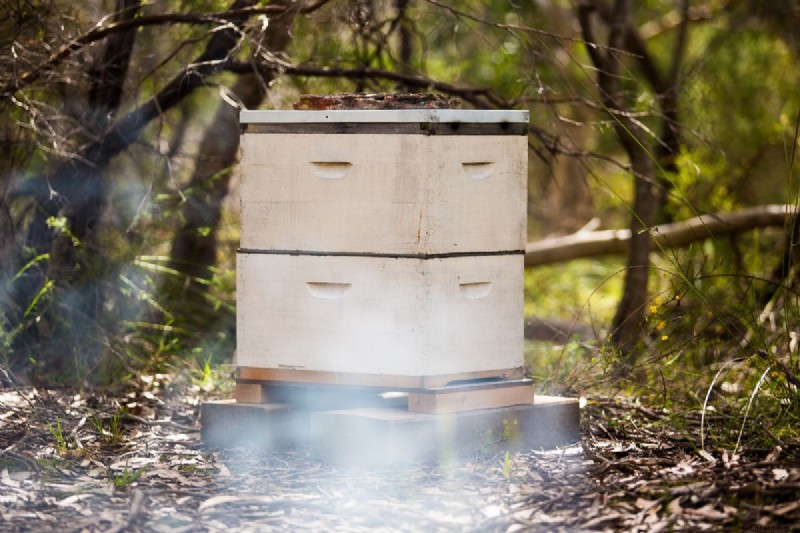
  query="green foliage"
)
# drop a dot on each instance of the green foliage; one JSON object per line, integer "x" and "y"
{"x": 510, "y": 430}
{"x": 111, "y": 434}
{"x": 61, "y": 225}
{"x": 64, "y": 443}
{"x": 506, "y": 465}
{"x": 127, "y": 477}
{"x": 711, "y": 345}
{"x": 739, "y": 104}
{"x": 584, "y": 290}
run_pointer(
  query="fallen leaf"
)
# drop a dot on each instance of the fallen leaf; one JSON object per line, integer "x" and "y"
{"x": 644, "y": 505}
{"x": 226, "y": 498}
{"x": 779, "y": 474}
{"x": 773, "y": 455}
{"x": 163, "y": 473}
{"x": 675, "y": 507}
{"x": 71, "y": 500}
{"x": 492, "y": 511}
{"x": 707, "y": 456}
{"x": 223, "y": 470}
{"x": 706, "y": 512}
{"x": 783, "y": 508}
{"x": 6, "y": 479}
{"x": 22, "y": 475}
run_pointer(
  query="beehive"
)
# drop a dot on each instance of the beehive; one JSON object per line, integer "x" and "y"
{"x": 381, "y": 247}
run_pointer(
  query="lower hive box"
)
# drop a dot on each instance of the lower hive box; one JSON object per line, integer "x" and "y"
{"x": 379, "y": 321}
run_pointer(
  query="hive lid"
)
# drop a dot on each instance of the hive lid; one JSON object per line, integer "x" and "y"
{"x": 388, "y": 116}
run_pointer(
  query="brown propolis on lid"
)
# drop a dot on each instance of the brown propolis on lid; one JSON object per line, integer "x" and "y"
{"x": 328, "y": 102}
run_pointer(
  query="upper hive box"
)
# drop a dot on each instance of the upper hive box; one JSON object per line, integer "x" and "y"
{"x": 421, "y": 182}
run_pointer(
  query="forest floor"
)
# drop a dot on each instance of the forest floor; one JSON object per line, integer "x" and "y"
{"x": 70, "y": 462}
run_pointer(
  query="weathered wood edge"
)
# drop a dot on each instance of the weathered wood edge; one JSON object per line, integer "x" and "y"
{"x": 383, "y": 381}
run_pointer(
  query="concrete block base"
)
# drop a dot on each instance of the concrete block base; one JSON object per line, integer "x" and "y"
{"x": 268, "y": 426}
{"x": 378, "y": 436}
{"x": 375, "y": 437}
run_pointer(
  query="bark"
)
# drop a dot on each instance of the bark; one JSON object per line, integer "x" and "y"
{"x": 630, "y": 311}
{"x": 194, "y": 245}
{"x": 650, "y": 185}
{"x": 627, "y": 324}
{"x": 586, "y": 244}
{"x": 405, "y": 43}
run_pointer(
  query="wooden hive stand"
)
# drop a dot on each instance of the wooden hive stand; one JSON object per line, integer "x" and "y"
{"x": 467, "y": 395}
{"x": 372, "y": 426}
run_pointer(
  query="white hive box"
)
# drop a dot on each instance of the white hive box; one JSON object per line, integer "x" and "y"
{"x": 381, "y": 247}
{"x": 380, "y": 315}
{"x": 394, "y": 194}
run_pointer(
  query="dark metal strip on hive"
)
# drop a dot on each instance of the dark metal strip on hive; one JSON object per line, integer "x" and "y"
{"x": 446, "y": 255}
{"x": 407, "y": 128}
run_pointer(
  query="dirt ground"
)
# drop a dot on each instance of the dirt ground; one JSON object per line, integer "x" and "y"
{"x": 73, "y": 462}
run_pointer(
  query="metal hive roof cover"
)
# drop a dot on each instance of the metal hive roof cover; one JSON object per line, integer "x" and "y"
{"x": 472, "y": 116}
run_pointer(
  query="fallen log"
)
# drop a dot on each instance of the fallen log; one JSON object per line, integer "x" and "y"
{"x": 585, "y": 244}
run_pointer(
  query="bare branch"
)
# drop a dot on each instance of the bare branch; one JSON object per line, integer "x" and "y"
{"x": 123, "y": 132}
{"x": 673, "y": 18}
{"x": 585, "y": 244}
{"x": 481, "y": 97}
{"x": 101, "y": 31}
{"x": 108, "y": 75}
{"x": 515, "y": 27}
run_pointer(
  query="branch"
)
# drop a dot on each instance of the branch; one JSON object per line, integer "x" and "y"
{"x": 108, "y": 75}
{"x": 647, "y": 64}
{"x": 671, "y": 19}
{"x": 124, "y": 131}
{"x": 508, "y": 27}
{"x": 585, "y": 244}
{"x": 481, "y": 97}
{"x": 634, "y": 45}
{"x": 585, "y": 10}
{"x": 607, "y": 66}
{"x": 101, "y": 31}
{"x": 680, "y": 45}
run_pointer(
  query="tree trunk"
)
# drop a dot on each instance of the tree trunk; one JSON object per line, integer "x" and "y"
{"x": 194, "y": 245}
{"x": 649, "y": 185}
{"x": 76, "y": 193}
{"x": 627, "y": 324}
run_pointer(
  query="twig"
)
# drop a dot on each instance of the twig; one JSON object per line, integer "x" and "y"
{"x": 101, "y": 31}
{"x": 482, "y": 97}
{"x": 147, "y": 422}
{"x": 785, "y": 370}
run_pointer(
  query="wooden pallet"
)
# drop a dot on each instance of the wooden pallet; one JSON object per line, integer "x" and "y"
{"x": 486, "y": 393}
{"x": 300, "y": 376}
{"x": 471, "y": 396}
